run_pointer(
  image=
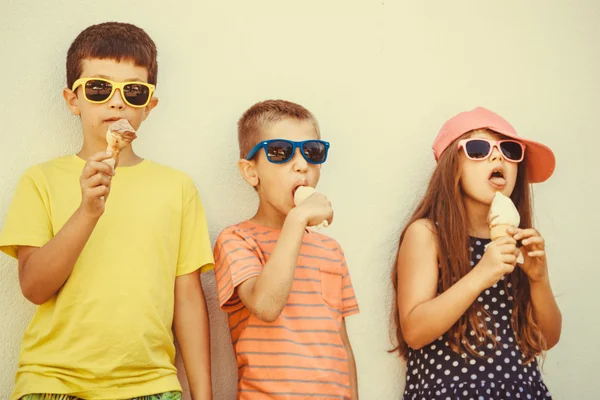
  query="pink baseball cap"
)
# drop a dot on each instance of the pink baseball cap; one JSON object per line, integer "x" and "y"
{"x": 540, "y": 159}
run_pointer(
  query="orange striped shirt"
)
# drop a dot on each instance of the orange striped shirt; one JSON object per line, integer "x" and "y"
{"x": 300, "y": 354}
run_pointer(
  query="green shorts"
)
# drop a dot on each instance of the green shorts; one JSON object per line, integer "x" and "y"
{"x": 160, "y": 396}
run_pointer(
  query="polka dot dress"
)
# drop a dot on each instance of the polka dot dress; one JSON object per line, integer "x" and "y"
{"x": 437, "y": 372}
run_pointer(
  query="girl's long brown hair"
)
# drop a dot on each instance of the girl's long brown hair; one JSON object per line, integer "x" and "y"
{"x": 443, "y": 204}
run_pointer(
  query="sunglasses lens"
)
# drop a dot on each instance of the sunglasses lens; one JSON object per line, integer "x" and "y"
{"x": 315, "y": 151}
{"x": 279, "y": 151}
{"x": 477, "y": 149}
{"x": 512, "y": 150}
{"x": 97, "y": 90}
{"x": 136, "y": 94}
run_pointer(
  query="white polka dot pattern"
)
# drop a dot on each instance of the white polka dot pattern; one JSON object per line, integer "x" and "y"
{"x": 498, "y": 374}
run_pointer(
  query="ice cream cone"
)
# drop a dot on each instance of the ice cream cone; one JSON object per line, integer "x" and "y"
{"x": 502, "y": 216}
{"x": 499, "y": 231}
{"x": 120, "y": 133}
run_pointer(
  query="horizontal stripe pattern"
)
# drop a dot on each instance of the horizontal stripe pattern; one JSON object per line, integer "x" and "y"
{"x": 301, "y": 354}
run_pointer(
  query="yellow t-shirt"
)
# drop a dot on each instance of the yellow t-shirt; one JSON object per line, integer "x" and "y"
{"x": 107, "y": 334}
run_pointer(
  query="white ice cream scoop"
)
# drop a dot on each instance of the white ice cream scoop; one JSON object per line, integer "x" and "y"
{"x": 119, "y": 134}
{"x": 503, "y": 215}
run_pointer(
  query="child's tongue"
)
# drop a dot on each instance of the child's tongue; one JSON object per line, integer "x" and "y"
{"x": 496, "y": 180}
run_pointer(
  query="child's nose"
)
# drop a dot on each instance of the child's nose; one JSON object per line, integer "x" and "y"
{"x": 116, "y": 101}
{"x": 496, "y": 154}
{"x": 300, "y": 164}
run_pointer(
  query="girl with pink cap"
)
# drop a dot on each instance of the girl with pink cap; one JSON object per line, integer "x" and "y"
{"x": 469, "y": 320}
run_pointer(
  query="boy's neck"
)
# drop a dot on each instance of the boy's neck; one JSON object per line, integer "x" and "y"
{"x": 127, "y": 157}
{"x": 268, "y": 216}
{"x": 477, "y": 214}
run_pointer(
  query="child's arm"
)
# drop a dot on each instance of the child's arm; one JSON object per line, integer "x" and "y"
{"x": 193, "y": 334}
{"x": 351, "y": 362}
{"x": 267, "y": 294}
{"x": 424, "y": 316}
{"x": 547, "y": 313}
{"x": 43, "y": 270}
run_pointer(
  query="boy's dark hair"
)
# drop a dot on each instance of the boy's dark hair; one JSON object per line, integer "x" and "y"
{"x": 268, "y": 112}
{"x": 112, "y": 40}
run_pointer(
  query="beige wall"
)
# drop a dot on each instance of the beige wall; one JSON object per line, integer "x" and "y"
{"x": 381, "y": 76}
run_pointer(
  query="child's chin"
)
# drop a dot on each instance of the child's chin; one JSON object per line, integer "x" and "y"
{"x": 285, "y": 210}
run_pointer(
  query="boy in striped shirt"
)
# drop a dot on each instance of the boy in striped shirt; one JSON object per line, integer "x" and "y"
{"x": 286, "y": 289}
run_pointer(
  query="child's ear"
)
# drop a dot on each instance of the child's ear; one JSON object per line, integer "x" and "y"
{"x": 153, "y": 103}
{"x": 248, "y": 171}
{"x": 71, "y": 100}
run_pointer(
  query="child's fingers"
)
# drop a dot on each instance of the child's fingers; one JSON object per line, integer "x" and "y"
{"x": 525, "y": 233}
{"x": 102, "y": 167}
{"x": 88, "y": 171}
{"x": 517, "y": 253}
{"x": 100, "y": 156}
{"x": 533, "y": 240}
{"x": 505, "y": 240}
{"x": 96, "y": 180}
{"x": 507, "y": 248}
{"x": 99, "y": 191}
{"x": 330, "y": 219}
{"x": 508, "y": 268}
{"x": 536, "y": 253}
{"x": 93, "y": 167}
{"x": 509, "y": 259}
{"x": 317, "y": 197}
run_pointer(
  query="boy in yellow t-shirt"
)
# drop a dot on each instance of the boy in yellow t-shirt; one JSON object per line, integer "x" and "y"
{"x": 112, "y": 259}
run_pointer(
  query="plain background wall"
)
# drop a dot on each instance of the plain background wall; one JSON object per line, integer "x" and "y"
{"x": 381, "y": 77}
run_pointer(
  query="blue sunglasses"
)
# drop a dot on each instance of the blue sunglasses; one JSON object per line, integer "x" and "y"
{"x": 280, "y": 151}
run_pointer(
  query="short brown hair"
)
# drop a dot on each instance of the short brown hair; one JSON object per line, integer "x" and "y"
{"x": 268, "y": 112}
{"x": 112, "y": 40}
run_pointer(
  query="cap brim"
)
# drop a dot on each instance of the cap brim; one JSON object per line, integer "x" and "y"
{"x": 540, "y": 159}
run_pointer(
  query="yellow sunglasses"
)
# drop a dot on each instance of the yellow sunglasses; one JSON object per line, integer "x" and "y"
{"x": 99, "y": 90}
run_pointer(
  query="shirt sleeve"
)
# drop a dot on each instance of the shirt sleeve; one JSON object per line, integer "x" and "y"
{"x": 194, "y": 245}
{"x": 28, "y": 222}
{"x": 349, "y": 302}
{"x": 236, "y": 260}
